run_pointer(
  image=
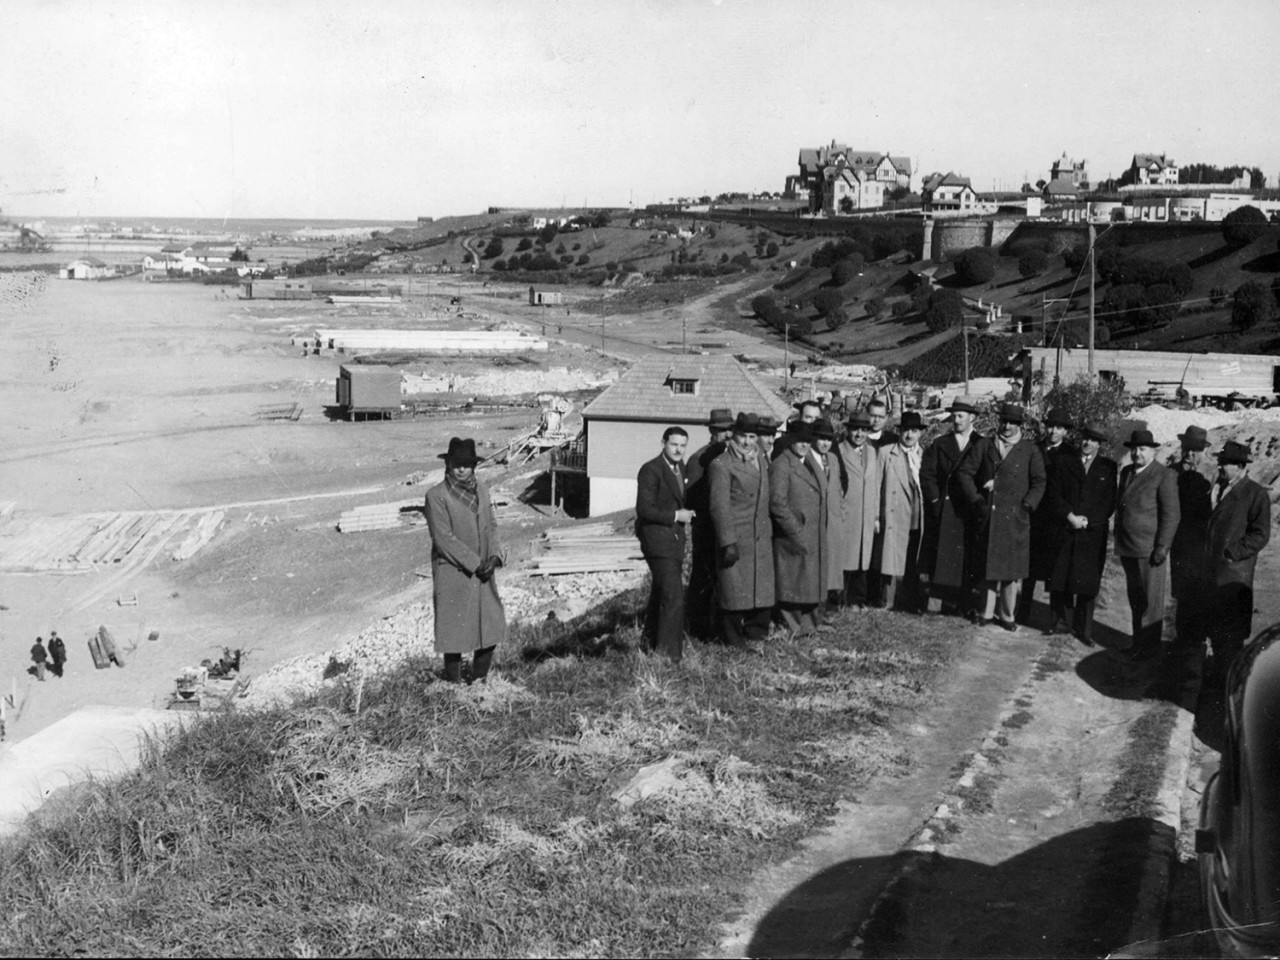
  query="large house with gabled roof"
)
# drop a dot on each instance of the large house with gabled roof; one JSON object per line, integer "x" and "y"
{"x": 861, "y": 176}
{"x": 1150, "y": 168}
{"x": 623, "y": 426}
{"x": 947, "y": 191}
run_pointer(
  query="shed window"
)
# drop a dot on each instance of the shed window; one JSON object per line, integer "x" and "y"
{"x": 684, "y": 386}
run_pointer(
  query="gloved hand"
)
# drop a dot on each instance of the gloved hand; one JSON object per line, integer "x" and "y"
{"x": 1159, "y": 555}
{"x": 728, "y": 556}
{"x": 496, "y": 561}
{"x": 485, "y": 570}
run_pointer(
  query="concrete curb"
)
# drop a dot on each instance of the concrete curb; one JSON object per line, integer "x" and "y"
{"x": 1162, "y": 845}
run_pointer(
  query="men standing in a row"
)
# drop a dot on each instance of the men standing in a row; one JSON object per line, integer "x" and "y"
{"x": 739, "y": 505}
{"x": 1003, "y": 480}
{"x": 943, "y": 551}
{"x": 797, "y": 504}
{"x": 1187, "y": 552}
{"x": 1079, "y": 503}
{"x": 700, "y": 599}
{"x": 661, "y": 518}
{"x": 1146, "y": 517}
{"x": 1046, "y": 532}
{"x": 857, "y": 514}
{"x": 902, "y": 517}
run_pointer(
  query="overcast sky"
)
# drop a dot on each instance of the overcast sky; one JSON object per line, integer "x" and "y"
{"x": 391, "y": 109}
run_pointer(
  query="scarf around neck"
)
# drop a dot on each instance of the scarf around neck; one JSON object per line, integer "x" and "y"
{"x": 464, "y": 491}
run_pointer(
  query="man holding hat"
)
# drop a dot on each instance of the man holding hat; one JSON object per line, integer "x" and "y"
{"x": 902, "y": 517}
{"x": 1047, "y": 533}
{"x": 798, "y": 508}
{"x": 1080, "y": 500}
{"x": 700, "y": 598}
{"x": 1239, "y": 527}
{"x": 857, "y": 513}
{"x": 1003, "y": 480}
{"x": 944, "y": 547}
{"x": 1187, "y": 553}
{"x": 739, "y": 506}
{"x": 1147, "y": 516}
{"x": 465, "y": 553}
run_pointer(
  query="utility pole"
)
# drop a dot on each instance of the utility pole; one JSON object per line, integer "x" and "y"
{"x": 786, "y": 357}
{"x": 1092, "y": 238}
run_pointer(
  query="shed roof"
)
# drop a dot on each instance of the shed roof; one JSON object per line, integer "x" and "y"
{"x": 643, "y": 393}
{"x": 87, "y": 261}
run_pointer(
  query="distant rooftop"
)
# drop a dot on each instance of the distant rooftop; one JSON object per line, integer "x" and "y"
{"x": 647, "y": 391}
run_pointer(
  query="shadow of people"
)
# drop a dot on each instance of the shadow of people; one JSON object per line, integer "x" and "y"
{"x": 1074, "y": 895}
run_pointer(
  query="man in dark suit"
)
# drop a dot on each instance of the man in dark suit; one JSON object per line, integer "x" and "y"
{"x": 1239, "y": 527}
{"x": 798, "y": 508}
{"x": 943, "y": 551}
{"x": 1046, "y": 532}
{"x": 879, "y": 435}
{"x": 1081, "y": 498}
{"x": 808, "y": 412}
{"x": 700, "y": 598}
{"x": 1187, "y": 572}
{"x": 1146, "y": 519}
{"x": 661, "y": 518}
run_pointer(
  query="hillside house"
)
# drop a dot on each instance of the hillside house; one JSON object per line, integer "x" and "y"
{"x": 845, "y": 190}
{"x": 874, "y": 166}
{"x": 1151, "y": 169}
{"x": 1060, "y": 191}
{"x": 623, "y": 426}
{"x": 948, "y": 192}
{"x": 1066, "y": 170}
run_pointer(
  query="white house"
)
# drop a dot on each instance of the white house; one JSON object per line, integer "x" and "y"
{"x": 948, "y": 192}
{"x": 1151, "y": 168}
{"x": 86, "y": 268}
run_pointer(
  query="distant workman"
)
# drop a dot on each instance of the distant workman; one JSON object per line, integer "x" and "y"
{"x": 661, "y": 523}
{"x": 1003, "y": 480}
{"x": 902, "y": 517}
{"x": 1146, "y": 519}
{"x": 57, "y": 653}
{"x": 797, "y": 505}
{"x": 39, "y": 656}
{"x": 1188, "y": 566}
{"x": 739, "y": 507}
{"x": 465, "y": 555}
{"x": 700, "y": 597}
{"x": 1081, "y": 499}
{"x": 858, "y": 513}
{"x": 1046, "y": 532}
{"x": 944, "y": 548}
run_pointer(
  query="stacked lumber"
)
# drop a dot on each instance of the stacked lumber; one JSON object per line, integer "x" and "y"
{"x": 279, "y": 411}
{"x": 78, "y": 544}
{"x": 203, "y": 532}
{"x": 377, "y": 516}
{"x": 589, "y": 548}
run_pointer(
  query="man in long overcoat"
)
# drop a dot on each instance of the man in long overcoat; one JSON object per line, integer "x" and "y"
{"x": 798, "y": 508}
{"x": 823, "y": 434}
{"x": 902, "y": 516}
{"x": 1147, "y": 516}
{"x": 57, "y": 653}
{"x": 1188, "y": 570}
{"x": 856, "y": 510}
{"x": 1046, "y": 531}
{"x": 661, "y": 518}
{"x": 944, "y": 547}
{"x": 1003, "y": 480}
{"x": 1080, "y": 499}
{"x": 739, "y": 506}
{"x": 465, "y": 553}
{"x": 1239, "y": 527}
{"x": 700, "y": 597}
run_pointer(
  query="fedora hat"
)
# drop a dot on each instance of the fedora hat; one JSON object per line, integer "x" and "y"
{"x": 768, "y": 427}
{"x": 822, "y": 430}
{"x": 1058, "y": 418}
{"x": 800, "y": 431}
{"x": 859, "y": 421}
{"x": 1141, "y": 438}
{"x": 747, "y": 423}
{"x": 911, "y": 420}
{"x": 1012, "y": 413}
{"x": 1094, "y": 432}
{"x": 1233, "y": 452}
{"x": 1196, "y": 438}
{"x": 965, "y": 404}
{"x": 721, "y": 419}
{"x": 461, "y": 452}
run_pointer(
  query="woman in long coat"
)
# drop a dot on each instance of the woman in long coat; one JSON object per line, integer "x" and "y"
{"x": 798, "y": 506}
{"x": 739, "y": 482}
{"x": 465, "y": 552}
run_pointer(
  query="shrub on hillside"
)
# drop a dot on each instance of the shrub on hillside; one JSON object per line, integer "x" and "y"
{"x": 837, "y": 318}
{"x": 771, "y": 249}
{"x": 493, "y": 248}
{"x": 1243, "y": 225}
{"x": 743, "y": 260}
{"x": 1160, "y": 305}
{"x": 524, "y": 244}
{"x": 826, "y": 300}
{"x": 764, "y": 306}
{"x": 548, "y": 233}
{"x": 920, "y": 298}
{"x": 584, "y": 259}
{"x": 842, "y": 271}
{"x": 499, "y": 264}
{"x": 1252, "y": 304}
{"x": 901, "y": 308}
{"x": 945, "y": 310}
{"x": 1033, "y": 263}
{"x": 874, "y": 307}
{"x": 975, "y": 265}
{"x": 1076, "y": 258}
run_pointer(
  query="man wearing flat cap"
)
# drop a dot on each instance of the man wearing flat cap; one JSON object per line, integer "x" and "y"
{"x": 944, "y": 547}
{"x": 1187, "y": 568}
{"x": 798, "y": 508}
{"x": 739, "y": 506}
{"x": 1046, "y": 532}
{"x": 700, "y": 597}
{"x": 1239, "y": 527}
{"x": 465, "y": 555}
{"x": 858, "y": 511}
{"x": 1003, "y": 480}
{"x": 1147, "y": 515}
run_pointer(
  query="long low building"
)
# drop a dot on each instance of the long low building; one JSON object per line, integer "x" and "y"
{"x": 444, "y": 342}
{"x": 1164, "y": 373}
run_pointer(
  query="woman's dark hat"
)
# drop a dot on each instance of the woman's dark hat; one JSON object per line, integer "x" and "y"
{"x": 1196, "y": 438}
{"x": 911, "y": 420}
{"x": 721, "y": 419}
{"x": 1233, "y": 452}
{"x": 822, "y": 430}
{"x": 1095, "y": 432}
{"x": 1058, "y": 418}
{"x": 1141, "y": 438}
{"x": 461, "y": 452}
{"x": 747, "y": 423}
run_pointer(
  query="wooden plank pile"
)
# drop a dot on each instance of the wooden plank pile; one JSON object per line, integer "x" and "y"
{"x": 279, "y": 411}
{"x": 201, "y": 534}
{"x": 78, "y": 544}
{"x": 589, "y": 548}
{"x": 102, "y": 649}
{"x": 380, "y": 516}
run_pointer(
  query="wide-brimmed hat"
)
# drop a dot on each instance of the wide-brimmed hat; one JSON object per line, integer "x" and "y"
{"x": 768, "y": 427}
{"x": 721, "y": 419}
{"x": 822, "y": 430}
{"x": 1095, "y": 432}
{"x": 859, "y": 421}
{"x": 1058, "y": 418}
{"x": 461, "y": 452}
{"x": 811, "y": 402}
{"x": 1233, "y": 452}
{"x": 800, "y": 431}
{"x": 965, "y": 404}
{"x": 747, "y": 423}
{"x": 1141, "y": 438}
{"x": 911, "y": 420}
{"x": 1196, "y": 438}
{"x": 1012, "y": 413}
